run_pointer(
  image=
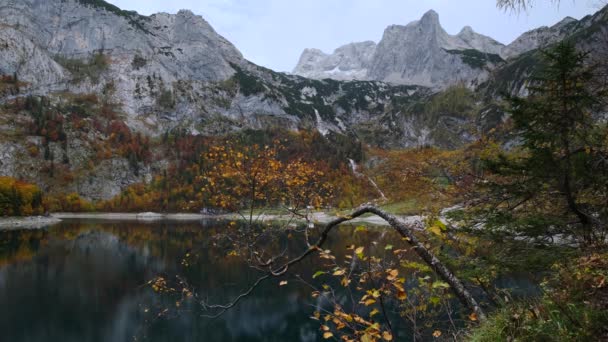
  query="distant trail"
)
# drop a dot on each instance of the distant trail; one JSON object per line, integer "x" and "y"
{"x": 354, "y": 167}
{"x": 40, "y": 90}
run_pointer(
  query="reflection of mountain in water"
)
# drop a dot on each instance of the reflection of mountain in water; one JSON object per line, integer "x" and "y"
{"x": 80, "y": 290}
{"x": 83, "y": 282}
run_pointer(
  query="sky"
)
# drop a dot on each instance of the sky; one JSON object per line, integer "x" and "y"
{"x": 273, "y": 33}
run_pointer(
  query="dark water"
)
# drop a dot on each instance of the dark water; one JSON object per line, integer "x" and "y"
{"x": 82, "y": 281}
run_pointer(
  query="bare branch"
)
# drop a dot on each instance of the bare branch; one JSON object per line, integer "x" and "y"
{"x": 517, "y": 5}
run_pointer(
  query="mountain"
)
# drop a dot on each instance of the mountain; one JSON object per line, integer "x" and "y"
{"x": 91, "y": 94}
{"x": 540, "y": 37}
{"x": 348, "y": 62}
{"x": 589, "y": 34}
{"x": 52, "y": 44}
{"x": 420, "y": 53}
{"x": 87, "y": 88}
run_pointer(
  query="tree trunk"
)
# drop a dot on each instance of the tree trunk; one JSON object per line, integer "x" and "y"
{"x": 444, "y": 273}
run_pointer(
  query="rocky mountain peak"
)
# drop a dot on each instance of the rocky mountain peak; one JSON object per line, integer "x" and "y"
{"x": 466, "y": 31}
{"x": 430, "y": 19}
{"x": 348, "y": 62}
{"x": 186, "y": 13}
{"x": 565, "y": 21}
{"x": 408, "y": 55}
{"x": 538, "y": 37}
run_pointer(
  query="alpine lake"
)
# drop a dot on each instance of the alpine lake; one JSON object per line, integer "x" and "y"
{"x": 87, "y": 281}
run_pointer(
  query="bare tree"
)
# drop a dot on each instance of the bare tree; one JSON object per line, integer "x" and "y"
{"x": 518, "y": 5}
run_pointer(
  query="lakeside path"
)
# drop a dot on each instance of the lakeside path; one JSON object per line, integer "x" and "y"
{"x": 317, "y": 217}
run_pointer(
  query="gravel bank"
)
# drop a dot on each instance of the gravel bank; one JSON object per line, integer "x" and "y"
{"x": 31, "y": 222}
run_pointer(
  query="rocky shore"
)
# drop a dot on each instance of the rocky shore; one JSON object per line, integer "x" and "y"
{"x": 31, "y": 222}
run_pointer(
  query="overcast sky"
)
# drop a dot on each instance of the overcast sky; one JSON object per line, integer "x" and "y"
{"x": 273, "y": 33}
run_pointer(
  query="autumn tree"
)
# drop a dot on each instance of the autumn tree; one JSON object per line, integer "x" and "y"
{"x": 250, "y": 177}
{"x": 19, "y": 198}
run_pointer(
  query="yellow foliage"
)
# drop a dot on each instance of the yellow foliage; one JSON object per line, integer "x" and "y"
{"x": 19, "y": 198}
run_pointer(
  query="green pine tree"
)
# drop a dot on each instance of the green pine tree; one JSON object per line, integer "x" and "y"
{"x": 556, "y": 181}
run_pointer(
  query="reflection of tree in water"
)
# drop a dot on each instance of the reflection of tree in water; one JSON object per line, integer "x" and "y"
{"x": 83, "y": 282}
{"x": 80, "y": 289}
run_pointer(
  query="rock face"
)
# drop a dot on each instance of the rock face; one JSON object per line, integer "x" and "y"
{"x": 540, "y": 37}
{"x": 172, "y": 73}
{"x": 179, "y": 46}
{"x": 52, "y": 45}
{"x": 420, "y": 53}
{"x": 349, "y": 62}
{"x": 423, "y": 53}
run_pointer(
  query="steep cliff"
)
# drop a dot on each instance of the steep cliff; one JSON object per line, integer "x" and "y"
{"x": 420, "y": 53}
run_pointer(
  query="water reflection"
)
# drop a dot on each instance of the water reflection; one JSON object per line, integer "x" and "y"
{"x": 82, "y": 281}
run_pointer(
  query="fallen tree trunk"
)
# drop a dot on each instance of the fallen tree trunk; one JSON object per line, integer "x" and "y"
{"x": 444, "y": 273}
{"x": 406, "y": 232}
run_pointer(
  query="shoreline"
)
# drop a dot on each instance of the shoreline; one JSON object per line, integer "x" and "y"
{"x": 317, "y": 217}
{"x": 40, "y": 222}
{"x": 28, "y": 222}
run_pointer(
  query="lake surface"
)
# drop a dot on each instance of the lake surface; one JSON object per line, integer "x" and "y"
{"x": 85, "y": 281}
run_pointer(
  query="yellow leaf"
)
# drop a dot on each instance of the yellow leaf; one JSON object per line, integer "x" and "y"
{"x": 327, "y": 335}
{"x": 387, "y": 336}
{"x": 369, "y": 302}
{"x": 473, "y": 317}
{"x": 436, "y": 333}
{"x": 345, "y": 281}
{"x": 392, "y": 275}
{"x": 283, "y": 283}
{"x": 359, "y": 250}
{"x": 436, "y": 230}
{"x": 367, "y": 338}
{"x": 340, "y": 272}
{"x": 401, "y": 295}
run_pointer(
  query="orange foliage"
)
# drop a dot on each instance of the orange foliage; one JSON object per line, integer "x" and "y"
{"x": 250, "y": 176}
{"x": 19, "y": 198}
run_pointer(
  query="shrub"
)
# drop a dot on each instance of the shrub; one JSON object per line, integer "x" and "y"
{"x": 81, "y": 70}
{"x": 166, "y": 100}
{"x": 138, "y": 62}
{"x": 574, "y": 307}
